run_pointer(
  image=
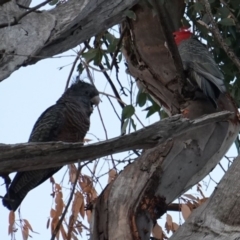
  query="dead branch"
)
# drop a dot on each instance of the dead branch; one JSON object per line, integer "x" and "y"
{"x": 29, "y": 156}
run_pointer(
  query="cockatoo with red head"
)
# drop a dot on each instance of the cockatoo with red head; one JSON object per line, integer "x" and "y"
{"x": 199, "y": 65}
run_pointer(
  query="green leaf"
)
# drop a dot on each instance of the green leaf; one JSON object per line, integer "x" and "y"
{"x": 53, "y": 2}
{"x": 98, "y": 57}
{"x": 124, "y": 127}
{"x": 106, "y": 60}
{"x": 228, "y": 41}
{"x": 163, "y": 114}
{"x": 130, "y": 14}
{"x": 237, "y": 144}
{"x": 133, "y": 124}
{"x": 80, "y": 68}
{"x": 128, "y": 111}
{"x": 112, "y": 46}
{"x": 223, "y": 12}
{"x": 153, "y": 109}
{"x": 227, "y": 22}
{"x": 90, "y": 54}
{"x": 141, "y": 98}
{"x": 198, "y": 7}
{"x": 119, "y": 57}
{"x": 110, "y": 37}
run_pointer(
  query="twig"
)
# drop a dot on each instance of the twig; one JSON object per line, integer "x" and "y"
{"x": 117, "y": 70}
{"x": 222, "y": 167}
{"x": 108, "y": 78}
{"x": 107, "y": 94}
{"x": 73, "y": 66}
{"x": 100, "y": 115}
{"x": 165, "y": 23}
{"x": 118, "y": 48}
{"x": 69, "y": 201}
{"x": 218, "y": 36}
{"x": 17, "y": 19}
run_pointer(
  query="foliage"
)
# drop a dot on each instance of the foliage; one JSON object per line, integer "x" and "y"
{"x": 227, "y": 16}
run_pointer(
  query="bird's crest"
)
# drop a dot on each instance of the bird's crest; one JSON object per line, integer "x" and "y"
{"x": 182, "y": 34}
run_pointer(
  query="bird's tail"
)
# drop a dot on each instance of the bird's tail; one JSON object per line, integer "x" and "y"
{"x": 12, "y": 200}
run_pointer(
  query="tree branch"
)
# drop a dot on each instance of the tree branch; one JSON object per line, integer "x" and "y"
{"x": 30, "y": 156}
{"x": 54, "y": 31}
{"x": 218, "y": 217}
{"x": 167, "y": 29}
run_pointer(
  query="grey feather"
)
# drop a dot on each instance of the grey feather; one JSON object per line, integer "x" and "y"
{"x": 202, "y": 68}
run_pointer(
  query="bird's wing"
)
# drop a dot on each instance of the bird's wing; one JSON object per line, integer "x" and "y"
{"x": 45, "y": 129}
{"x": 49, "y": 124}
{"x": 197, "y": 57}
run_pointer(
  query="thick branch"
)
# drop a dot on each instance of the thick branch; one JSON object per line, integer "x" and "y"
{"x": 41, "y": 35}
{"x": 167, "y": 29}
{"x": 21, "y": 157}
{"x": 218, "y": 218}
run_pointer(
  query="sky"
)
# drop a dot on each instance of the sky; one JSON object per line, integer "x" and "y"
{"x": 24, "y": 96}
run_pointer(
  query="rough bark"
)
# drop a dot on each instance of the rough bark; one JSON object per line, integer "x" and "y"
{"x": 43, "y": 34}
{"x": 218, "y": 217}
{"x": 29, "y": 156}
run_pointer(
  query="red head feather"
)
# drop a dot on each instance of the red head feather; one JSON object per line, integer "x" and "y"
{"x": 182, "y": 34}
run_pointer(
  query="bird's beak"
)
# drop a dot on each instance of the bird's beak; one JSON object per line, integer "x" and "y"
{"x": 95, "y": 100}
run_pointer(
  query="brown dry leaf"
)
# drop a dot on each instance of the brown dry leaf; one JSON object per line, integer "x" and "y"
{"x": 11, "y": 218}
{"x": 59, "y": 208}
{"x": 93, "y": 194}
{"x": 82, "y": 210}
{"x": 78, "y": 201}
{"x": 202, "y": 200}
{"x": 25, "y": 232}
{"x": 27, "y": 224}
{"x": 70, "y": 225}
{"x": 59, "y": 204}
{"x": 89, "y": 215}
{"x": 58, "y": 197}
{"x": 185, "y": 211}
{"x": 10, "y": 229}
{"x": 58, "y": 187}
{"x": 169, "y": 223}
{"x": 52, "y": 213}
{"x": 112, "y": 174}
{"x": 63, "y": 232}
{"x": 54, "y": 224}
{"x": 157, "y": 232}
{"x": 86, "y": 184}
{"x": 72, "y": 173}
{"x": 48, "y": 222}
{"x": 190, "y": 196}
{"x": 175, "y": 227}
{"x": 11, "y": 221}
